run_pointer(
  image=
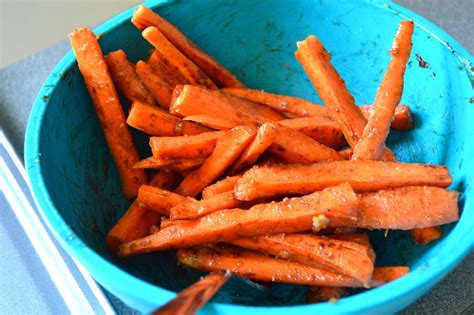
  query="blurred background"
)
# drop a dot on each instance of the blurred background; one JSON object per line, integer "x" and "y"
{"x": 27, "y": 26}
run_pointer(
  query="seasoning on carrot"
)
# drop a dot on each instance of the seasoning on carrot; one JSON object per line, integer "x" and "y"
{"x": 316, "y": 61}
{"x": 126, "y": 79}
{"x": 294, "y": 106}
{"x": 173, "y": 164}
{"x": 201, "y": 145}
{"x": 372, "y": 140}
{"x": 225, "y": 200}
{"x": 174, "y": 57}
{"x": 426, "y": 235}
{"x": 154, "y": 121}
{"x": 136, "y": 221}
{"x": 402, "y": 119}
{"x": 279, "y": 180}
{"x": 337, "y": 204}
{"x": 256, "y": 266}
{"x": 168, "y": 72}
{"x": 345, "y": 257}
{"x": 224, "y": 185}
{"x": 109, "y": 110}
{"x": 144, "y": 17}
{"x": 323, "y": 129}
{"x": 228, "y": 148}
{"x": 159, "y": 88}
{"x": 160, "y": 200}
{"x": 264, "y": 138}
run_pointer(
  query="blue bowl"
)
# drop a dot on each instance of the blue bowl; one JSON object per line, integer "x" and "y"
{"x": 77, "y": 187}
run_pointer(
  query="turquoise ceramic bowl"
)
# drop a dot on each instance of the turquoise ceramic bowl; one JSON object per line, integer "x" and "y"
{"x": 77, "y": 188}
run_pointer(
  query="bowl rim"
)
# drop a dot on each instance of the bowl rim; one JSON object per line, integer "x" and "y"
{"x": 433, "y": 269}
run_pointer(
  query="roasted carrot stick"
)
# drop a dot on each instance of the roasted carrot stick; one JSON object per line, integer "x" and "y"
{"x": 201, "y": 145}
{"x": 325, "y": 294}
{"x": 372, "y": 141}
{"x": 228, "y": 148}
{"x": 172, "y": 164}
{"x": 348, "y": 258}
{"x": 155, "y": 122}
{"x": 109, "y": 110}
{"x": 316, "y": 61}
{"x": 136, "y": 221}
{"x": 323, "y": 129}
{"x": 256, "y": 266}
{"x": 383, "y": 275}
{"x": 160, "y": 200}
{"x": 287, "y": 104}
{"x": 337, "y": 204}
{"x": 402, "y": 119}
{"x": 225, "y": 185}
{"x": 168, "y": 72}
{"x": 195, "y": 100}
{"x": 174, "y": 57}
{"x": 426, "y": 235}
{"x": 159, "y": 88}
{"x": 225, "y": 200}
{"x": 407, "y": 208}
{"x": 279, "y": 180}
{"x": 264, "y": 138}
{"x": 144, "y": 17}
{"x": 290, "y": 144}
{"x": 126, "y": 79}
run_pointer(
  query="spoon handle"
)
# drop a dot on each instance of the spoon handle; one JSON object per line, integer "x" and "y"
{"x": 191, "y": 299}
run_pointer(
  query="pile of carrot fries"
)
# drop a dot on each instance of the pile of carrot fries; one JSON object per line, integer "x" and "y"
{"x": 271, "y": 187}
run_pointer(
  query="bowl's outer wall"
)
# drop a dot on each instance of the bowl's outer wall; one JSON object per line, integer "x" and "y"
{"x": 256, "y": 40}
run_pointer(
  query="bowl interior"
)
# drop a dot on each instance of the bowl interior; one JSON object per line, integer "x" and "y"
{"x": 256, "y": 40}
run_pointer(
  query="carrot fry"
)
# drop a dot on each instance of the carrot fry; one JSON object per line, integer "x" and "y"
{"x": 256, "y": 266}
{"x": 316, "y": 61}
{"x": 336, "y": 204}
{"x": 174, "y": 57}
{"x": 195, "y": 100}
{"x": 193, "y": 210}
{"x": 228, "y": 148}
{"x": 154, "y": 121}
{"x": 225, "y": 185}
{"x": 159, "y": 88}
{"x": 323, "y": 129}
{"x": 264, "y": 138}
{"x": 286, "y": 104}
{"x": 168, "y": 72}
{"x": 109, "y": 110}
{"x": 372, "y": 141}
{"x": 136, "y": 221}
{"x": 201, "y": 145}
{"x": 383, "y": 275}
{"x": 351, "y": 236}
{"x": 402, "y": 119}
{"x": 348, "y": 258}
{"x": 279, "y": 180}
{"x": 144, "y": 17}
{"x": 290, "y": 144}
{"x": 126, "y": 79}
{"x": 159, "y": 200}
{"x": 170, "y": 163}
{"x": 426, "y": 235}
{"x": 325, "y": 294}
{"x": 407, "y": 208}
{"x": 211, "y": 122}
{"x": 298, "y": 107}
